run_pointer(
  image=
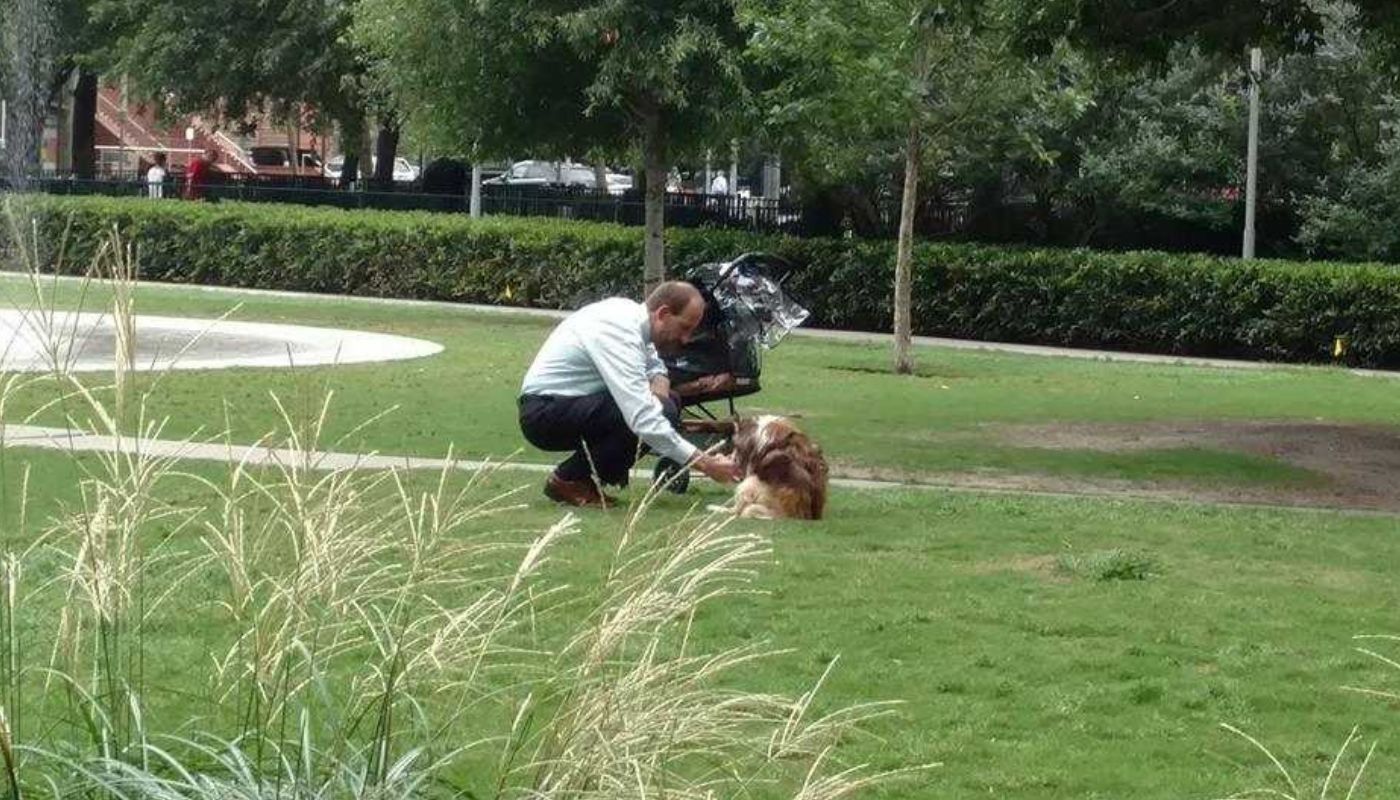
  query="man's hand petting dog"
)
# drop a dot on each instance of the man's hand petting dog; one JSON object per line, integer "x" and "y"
{"x": 721, "y": 469}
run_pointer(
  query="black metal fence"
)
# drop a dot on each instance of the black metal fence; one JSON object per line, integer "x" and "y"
{"x": 682, "y": 209}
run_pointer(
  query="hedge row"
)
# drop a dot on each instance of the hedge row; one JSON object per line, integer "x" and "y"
{"x": 1151, "y": 302}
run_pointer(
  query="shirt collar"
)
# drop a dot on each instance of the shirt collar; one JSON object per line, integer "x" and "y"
{"x": 644, "y": 320}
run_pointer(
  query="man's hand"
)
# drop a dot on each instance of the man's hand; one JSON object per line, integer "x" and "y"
{"x": 661, "y": 386}
{"x": 721, "y": 469}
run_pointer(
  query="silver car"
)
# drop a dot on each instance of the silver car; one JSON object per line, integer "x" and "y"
{"x": 558, "y": 173}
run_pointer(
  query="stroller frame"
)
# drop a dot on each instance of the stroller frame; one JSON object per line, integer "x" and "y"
{"x": 697, "y": 407}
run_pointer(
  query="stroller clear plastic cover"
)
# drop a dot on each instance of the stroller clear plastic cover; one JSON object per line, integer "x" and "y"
{"x": 757, "y": 308}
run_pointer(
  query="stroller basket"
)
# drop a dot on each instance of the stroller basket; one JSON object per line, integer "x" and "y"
{"x": 746, "y": 311}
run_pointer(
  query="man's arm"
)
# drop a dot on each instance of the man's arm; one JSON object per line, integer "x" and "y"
{"x": 623, "y": 361}
{"x": 657, "y": 375}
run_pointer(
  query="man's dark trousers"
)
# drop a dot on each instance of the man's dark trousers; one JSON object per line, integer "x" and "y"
{"x": 556, "y": 423}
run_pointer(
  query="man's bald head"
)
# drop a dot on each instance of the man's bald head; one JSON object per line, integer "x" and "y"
{"x": 674, "y": 295}
{"x": 675, "y": 309}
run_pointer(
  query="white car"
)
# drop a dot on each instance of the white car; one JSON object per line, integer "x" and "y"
{"x": 404, "y": 172}
{"x": 618, "y": 183}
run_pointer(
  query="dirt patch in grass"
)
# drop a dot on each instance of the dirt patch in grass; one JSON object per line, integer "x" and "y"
{"x": 1359, "y": 465}
{"x": 1041, "y": 566}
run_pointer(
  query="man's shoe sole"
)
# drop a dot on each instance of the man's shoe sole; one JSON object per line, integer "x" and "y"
{"x": 550, "y": 494}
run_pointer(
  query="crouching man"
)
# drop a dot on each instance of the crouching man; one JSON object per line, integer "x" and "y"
{"x": 598, "y": 385}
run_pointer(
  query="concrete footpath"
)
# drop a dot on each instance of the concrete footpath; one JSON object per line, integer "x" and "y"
{"x": 76, "y": 441}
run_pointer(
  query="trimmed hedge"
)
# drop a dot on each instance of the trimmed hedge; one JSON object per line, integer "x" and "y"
{"x": 1151, "y": 302}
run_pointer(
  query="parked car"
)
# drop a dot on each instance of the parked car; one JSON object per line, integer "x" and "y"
{"x": 561, "y": 173}
{"x": 618, "y": 182}
{"x": 270, "y": 160}
{"x": 404, "y": 172}
{"x": 544, "y": 173}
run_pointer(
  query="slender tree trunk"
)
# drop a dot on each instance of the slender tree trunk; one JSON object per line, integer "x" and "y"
{"x": 293, "y": 145}
{"x": 386, "y": 149}
{"x": 734, "y": 166}
{"x": 84, "y": 144}
{"x": 654, "y": 157}
{"x": 366, "y": 153}
{"x": 474, "y": 200}
{"x": 903, "y": 264}
{"x": 600, "y": 177}
{"x": 352, "y": 131}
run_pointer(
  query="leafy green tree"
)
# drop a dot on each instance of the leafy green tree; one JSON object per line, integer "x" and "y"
{"x": 1360, "y": 219}
{"x": 1146, "y": 31}
{"x": 1341, "y": 126}
{"x": 1172, "y": 145}
{"x": 568, "y": 77}
{"x": 241, "y": 61}
{"x": 495, "y": 93}
{"x": 929, "y": 76}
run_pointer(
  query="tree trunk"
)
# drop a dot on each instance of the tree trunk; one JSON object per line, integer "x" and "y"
{"x": 734, "y": 166}
{"x": 654, "y": 158}
{"x": 600, "y": 177}
{"x": 903, "y": 264}
{"x": 474, "y": 201}
{"x": 84, "y": 144}
{"x": 386, "y": 149}
{"x": 366, "y": 153}
{"x": 351, "y": 133}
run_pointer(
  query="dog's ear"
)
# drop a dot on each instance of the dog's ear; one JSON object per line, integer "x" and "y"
{"x": 780, "y": 467}
{"x": 745, "y": 443}
{"x": 775, "y": 467}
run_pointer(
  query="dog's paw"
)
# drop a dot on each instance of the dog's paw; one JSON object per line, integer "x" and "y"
{"x": 757, "y": 512}
{"x": 718, "y": 509}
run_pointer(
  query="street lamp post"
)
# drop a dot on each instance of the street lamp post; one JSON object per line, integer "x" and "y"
{"x": 1256, "y": 68}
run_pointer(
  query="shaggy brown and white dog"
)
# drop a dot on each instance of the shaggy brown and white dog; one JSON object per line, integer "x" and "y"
{"x": 785, "y": 474}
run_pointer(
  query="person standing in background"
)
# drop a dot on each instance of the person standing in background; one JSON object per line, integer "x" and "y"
{"x": 155, "y": 177}
{"x": 197, "y": 176}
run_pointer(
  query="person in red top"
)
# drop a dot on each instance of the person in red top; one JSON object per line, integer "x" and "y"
{"x": 197, "y": 175}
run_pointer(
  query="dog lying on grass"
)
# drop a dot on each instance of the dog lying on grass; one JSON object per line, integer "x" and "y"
{"x": 785, "y": 474}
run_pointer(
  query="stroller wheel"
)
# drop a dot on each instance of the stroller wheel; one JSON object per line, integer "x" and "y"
{"x": 663, "y": 471}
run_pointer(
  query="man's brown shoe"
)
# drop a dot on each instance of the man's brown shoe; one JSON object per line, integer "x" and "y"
{"x": 576, "y": 493}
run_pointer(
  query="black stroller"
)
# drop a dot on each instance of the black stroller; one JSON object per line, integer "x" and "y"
{"x": 747, "y": 311}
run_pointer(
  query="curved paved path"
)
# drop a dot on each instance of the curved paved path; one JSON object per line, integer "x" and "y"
{"x": 76, "y": 441}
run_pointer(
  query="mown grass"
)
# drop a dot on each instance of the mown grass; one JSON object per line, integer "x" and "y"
{"x": 941, "y": 420}
{"x": 1043, "y": 647}
{"x": 1024, "y": 678}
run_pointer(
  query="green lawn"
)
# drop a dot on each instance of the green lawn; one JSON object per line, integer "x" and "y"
{"x": 863, "y": 416}
{"x": 1026, "y": 667}
{"x": 1024, "y": 676}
